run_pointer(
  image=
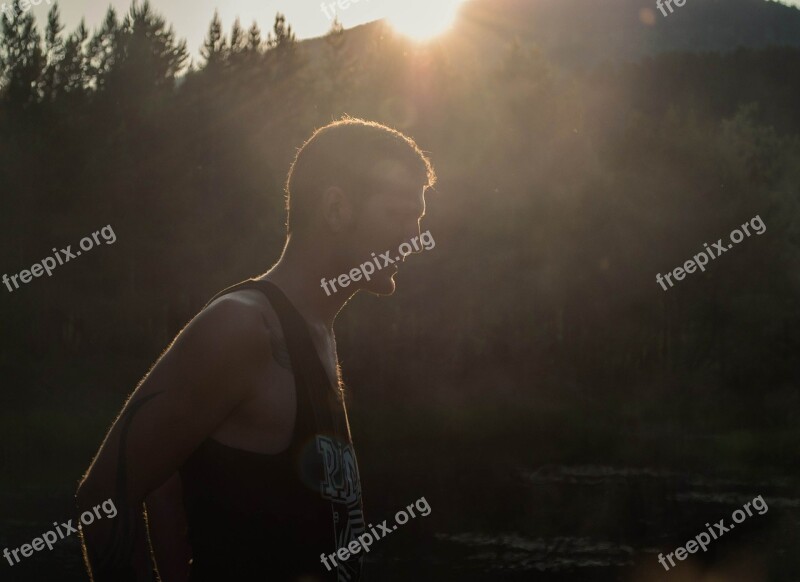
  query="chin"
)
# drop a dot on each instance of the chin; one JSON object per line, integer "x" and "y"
{"x": 384, "y": 286}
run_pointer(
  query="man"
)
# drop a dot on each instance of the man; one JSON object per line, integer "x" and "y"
{"x": 238, "y": 439}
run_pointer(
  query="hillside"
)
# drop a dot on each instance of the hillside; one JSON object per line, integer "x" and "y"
{"x": 585, "y": 31}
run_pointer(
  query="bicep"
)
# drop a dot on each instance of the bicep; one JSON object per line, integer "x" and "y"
{"x": 191, "y": 390}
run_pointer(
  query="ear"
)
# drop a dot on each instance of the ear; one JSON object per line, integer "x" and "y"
{"x": 337, "y": 209}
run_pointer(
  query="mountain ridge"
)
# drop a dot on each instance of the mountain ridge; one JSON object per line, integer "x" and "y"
{"x": 578, "y": 33}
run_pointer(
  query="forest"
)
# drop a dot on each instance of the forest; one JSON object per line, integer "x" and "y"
{"x": 532, "y": 342}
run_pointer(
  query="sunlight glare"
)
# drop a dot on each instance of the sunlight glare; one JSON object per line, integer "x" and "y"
{"x": 422, "y": 20}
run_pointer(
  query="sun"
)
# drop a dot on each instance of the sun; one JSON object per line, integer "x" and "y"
{"x": 422, "y": 20}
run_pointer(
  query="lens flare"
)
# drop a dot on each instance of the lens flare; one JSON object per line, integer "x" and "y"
{"x": 422, "y": 20}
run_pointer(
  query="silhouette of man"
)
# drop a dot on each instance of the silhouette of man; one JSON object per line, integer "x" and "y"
{"x": 237, "y": 440}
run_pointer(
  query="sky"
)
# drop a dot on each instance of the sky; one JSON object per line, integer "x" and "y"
{"x": 191, "y": 18}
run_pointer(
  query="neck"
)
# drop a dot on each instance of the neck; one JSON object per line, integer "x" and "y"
{"x": 298, "y": 273}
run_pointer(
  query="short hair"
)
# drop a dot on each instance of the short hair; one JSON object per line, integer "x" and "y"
{"x": 349, "y": 153}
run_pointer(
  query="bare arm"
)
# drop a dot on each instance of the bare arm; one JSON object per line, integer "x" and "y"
{"x": 207, "y": 371}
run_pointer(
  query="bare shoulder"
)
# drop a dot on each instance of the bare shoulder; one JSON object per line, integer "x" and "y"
{"x": 242, "y": 308}
{"x": 251, "y": 304}
{"x": 236, "y": 322}
{"x": 228, "y": 343}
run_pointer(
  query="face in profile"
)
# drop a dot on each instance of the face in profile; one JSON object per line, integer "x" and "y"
{"x": 388, "y": 219}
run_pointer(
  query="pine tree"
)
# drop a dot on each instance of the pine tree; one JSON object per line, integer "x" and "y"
{"x": 105, "y": 50}
{"x": 151, "y": 53}
{"x": 215, "y": 45}
{"x": 54, "y": 53}
{"x": 73, "y": 77}
{"x": 281, "y": 47}
{"x": 21, "y": 58}
{"x": 238, "y": 41}
{"x": 335, "y": 36}
{"x": 282, "y": 39}
{"x": 254, "y": 41}
{"x": 238, "y": 45}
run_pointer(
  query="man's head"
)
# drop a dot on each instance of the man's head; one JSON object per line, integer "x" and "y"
{"x": 358, "y": 187}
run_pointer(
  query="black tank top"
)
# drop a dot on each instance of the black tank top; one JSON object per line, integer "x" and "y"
{"x": 269, "y": 517}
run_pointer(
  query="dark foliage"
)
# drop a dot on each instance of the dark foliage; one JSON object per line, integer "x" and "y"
{"x": 563, "y": 192}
